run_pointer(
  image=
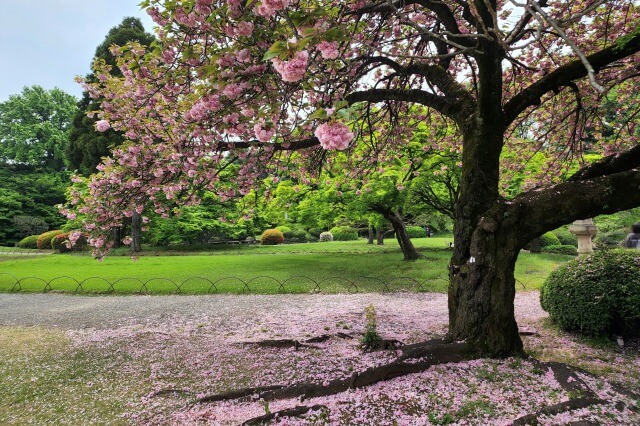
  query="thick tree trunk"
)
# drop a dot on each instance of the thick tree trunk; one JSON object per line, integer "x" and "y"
{"x": 371, "y": 235}
{"x": 486, "y": 239}
{"x": 408, "y": 250}
{"x": 116, "y": 237}
{"x": 482, "y": 289}
{"x": 136, "y": 231}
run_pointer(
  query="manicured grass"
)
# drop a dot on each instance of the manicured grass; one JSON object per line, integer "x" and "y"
{"x": 326, "y": 267}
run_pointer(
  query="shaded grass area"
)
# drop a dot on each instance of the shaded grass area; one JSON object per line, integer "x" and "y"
{"x": 302, "y": 268}
{"x": 44, "y": 380}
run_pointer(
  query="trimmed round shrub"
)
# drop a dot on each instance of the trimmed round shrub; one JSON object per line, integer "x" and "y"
{"x": 286, "y": 231}
{"x": 315, "y": 232}
{"x": 566, "y": 237}
{"x": 44, "y": 239}
{"x": 30, "y": 242}
{"x": 597, "y": 294}
{"x": 549, "y": 239}
{"x": 416, "y": 232}
{"x": 344, "y": 233}
{"x": 59, "y": 242}
{"x": 561, "y": 249}
{"x": 298, "y": 235}
{"x": 325, "y": 237}
{"x": 271, "y": 237}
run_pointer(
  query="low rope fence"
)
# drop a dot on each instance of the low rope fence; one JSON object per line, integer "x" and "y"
{"x": 231, "y": 251}
{"x": 263, "y": 284}
{"x": 17, "y": 251}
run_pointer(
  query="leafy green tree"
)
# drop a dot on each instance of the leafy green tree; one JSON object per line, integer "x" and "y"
{"x": 34, "y": 127}
{"x": 27, "y": 200}
{"x": 211, "y": 220}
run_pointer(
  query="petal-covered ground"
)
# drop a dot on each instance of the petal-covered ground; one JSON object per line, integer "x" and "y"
{"x": 201, "y": 356}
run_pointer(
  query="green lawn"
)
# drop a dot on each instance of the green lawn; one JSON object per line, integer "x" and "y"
{"x": 296, "y": 268}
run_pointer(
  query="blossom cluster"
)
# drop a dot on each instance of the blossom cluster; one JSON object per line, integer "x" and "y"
{"x": 292, "y": 70}
{"x": 334, "y": 135}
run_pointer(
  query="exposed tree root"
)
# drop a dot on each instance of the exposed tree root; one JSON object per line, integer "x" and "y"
{"x": 565, "y": 375}
{"x": 382, "y": 345}
{"x": 572, "y": 404}
{"x": 238, "y": 394}
{"x": 615, "y": 386}
{"x": 292, "y": 343}
{"x": 164, "y": 392}
{"x": 432, "y": 352}
{"x": 289, "y": 412}
{"x": 413, "y": 359}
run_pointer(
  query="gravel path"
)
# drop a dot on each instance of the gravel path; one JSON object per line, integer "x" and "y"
{"x": 103, "y": 312}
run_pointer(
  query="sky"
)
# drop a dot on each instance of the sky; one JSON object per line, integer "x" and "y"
{"x": 49, "y": 42}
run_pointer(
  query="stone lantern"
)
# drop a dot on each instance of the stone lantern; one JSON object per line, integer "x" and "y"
{"x": 584, "y": 229}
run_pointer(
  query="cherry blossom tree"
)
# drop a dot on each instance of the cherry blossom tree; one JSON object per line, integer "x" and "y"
{"x": 249, "y": 83}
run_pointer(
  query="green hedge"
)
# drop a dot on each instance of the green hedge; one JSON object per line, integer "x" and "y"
{"x": 597, "y": 294}
{"x": 59, "y": 242}
{"x": 416, "y": 232}
{"x": 287, "y": 232}
{"x": 549, "y": 239}
{"x": 44, "y": 239}
{"x": 344, "y": 233}
{"x": 610, "y": 239}
{"x": 30, "y": 242}
{"x": 315, "y": 232}
{"x": 566, "y": 237}
{"x": 561, "y": 249}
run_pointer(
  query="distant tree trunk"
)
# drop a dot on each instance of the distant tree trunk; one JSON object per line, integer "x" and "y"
{"x": 408, "y": 250}
{"x": 379, "y": 237}
{"x": 136, "y": 230}
{"x": 116, "y": 237}
{"x": 371, "y": 234}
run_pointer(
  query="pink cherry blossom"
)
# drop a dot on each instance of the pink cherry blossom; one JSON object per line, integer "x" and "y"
{"x": 294, "y": 69}
{"x": 334, "y": 135}
{"x": 103, "y": 125}
{"x": 262, "y": 134}
{"x": 244, "y": 28}
{"x": 268, "y": 8}
{"x": 328, "y": 50}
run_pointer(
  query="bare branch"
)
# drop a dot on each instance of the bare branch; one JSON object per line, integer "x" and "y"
{"x": 542, "y": 17}
{"x": 439, "y": 103}
{"x": 563, "y": 75}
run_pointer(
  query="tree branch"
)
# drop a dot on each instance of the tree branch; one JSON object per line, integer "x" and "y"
{"x": 284, "y": 146}
{"x": 530, "y": 96}
{"x": 454, "y": 92}
{"x": 439, "y": 103}
{"x": 541, "y": 211}
{"x": 441, "y": 10}
{"x": 615, "y": 163}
